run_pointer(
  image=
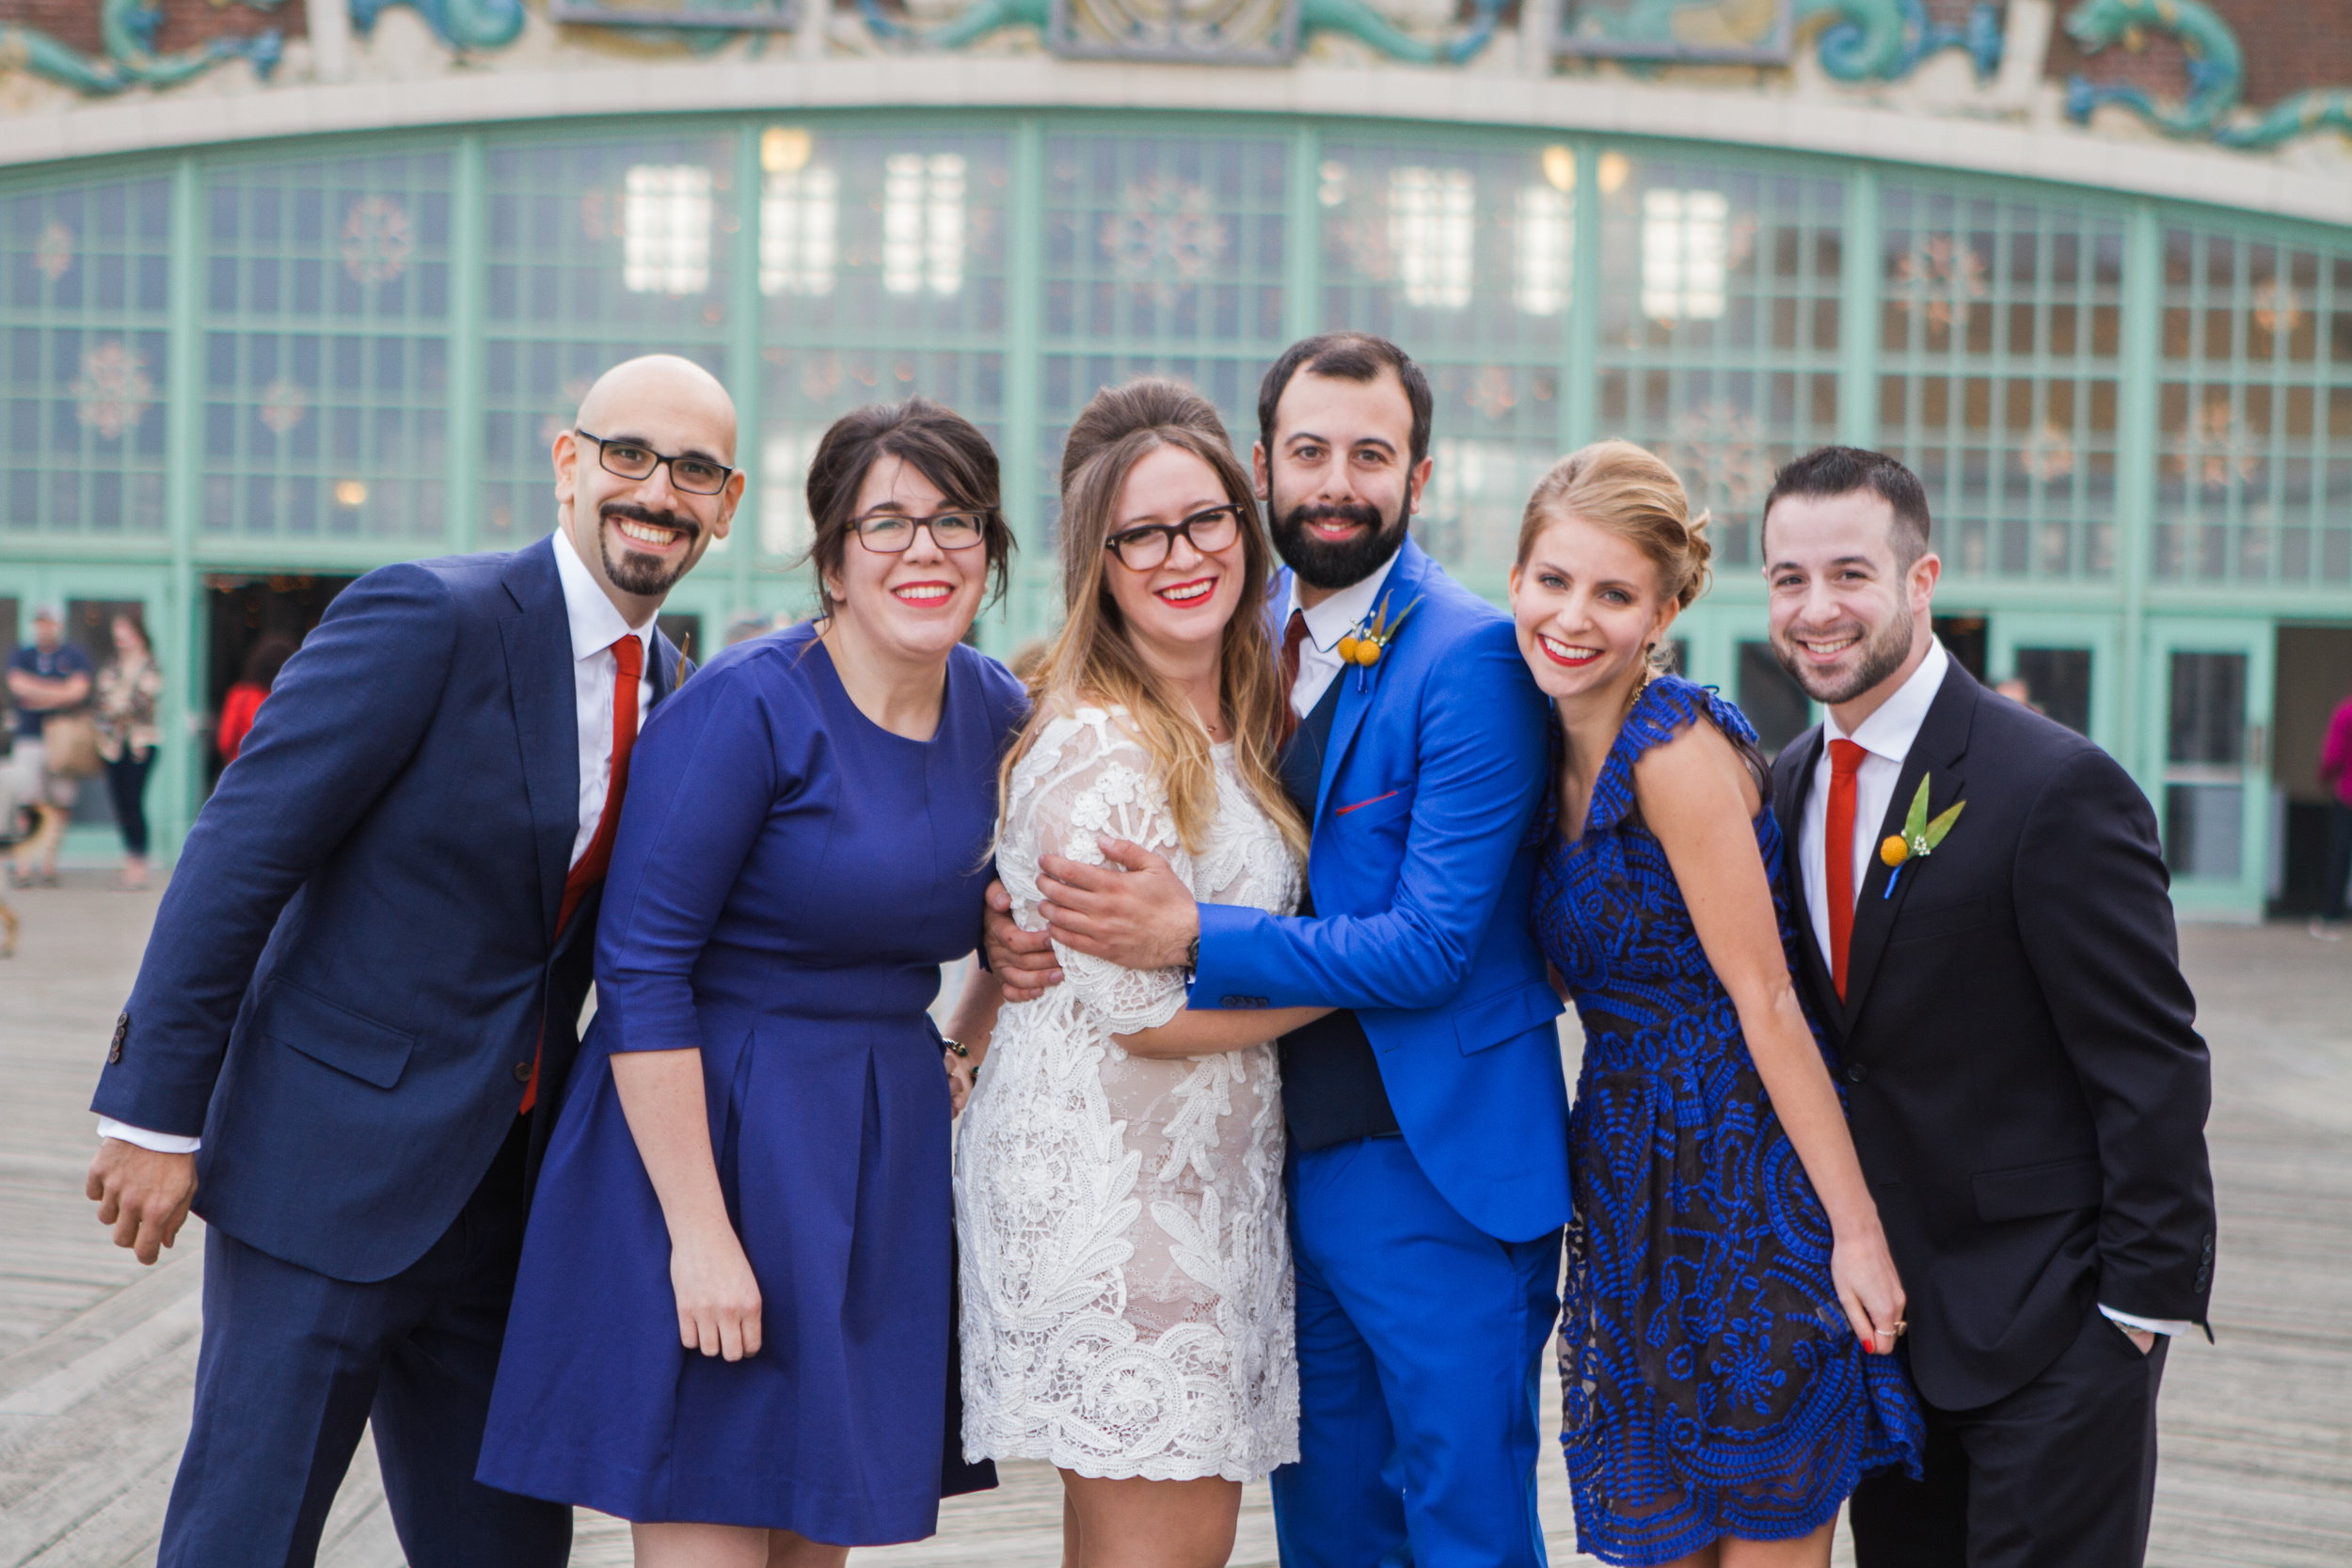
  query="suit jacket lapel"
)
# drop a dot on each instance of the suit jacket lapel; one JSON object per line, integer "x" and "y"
{"x": 538, "y": 642}
{"x": 1403, "y": 587}
{"x": 1936, "y": 754}
{"x": 1805, "y": 757}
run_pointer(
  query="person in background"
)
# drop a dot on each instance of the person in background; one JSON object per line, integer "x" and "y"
{"x": 244, "y": 700}
{"x": 48, "y": 677}
{"x": 2335, "y": 771}
{"x": 128, "y": 689}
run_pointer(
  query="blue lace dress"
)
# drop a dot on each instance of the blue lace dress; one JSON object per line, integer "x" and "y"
{"x": 1710, "y": 1384}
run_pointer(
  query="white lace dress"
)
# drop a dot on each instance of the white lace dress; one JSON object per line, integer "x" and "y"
{"x": 1125, "y": 1253}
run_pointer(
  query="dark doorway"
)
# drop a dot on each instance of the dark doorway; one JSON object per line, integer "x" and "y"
{"x": 1963, "y": 638}
{"x": 244, "y": 614}
{"x": 684, "y": 632}
{"x": 2315, "y": 676}
{"x": 2057, "y": 683}
{"x": 1770, "y": 698}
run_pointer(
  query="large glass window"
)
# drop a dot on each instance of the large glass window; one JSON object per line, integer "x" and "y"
{"x": 326, "y": 295}
{"x": 1464, "y": 254}
{"x": 882, "y": 261}
{"x": 1164, "y": 255}
{"x": 1719, "y": 324}
{"x": 598, "y": 251}
{"x": 87, "y": 272}
{"x": 1999, "y": 340}
{"x": 2254, "y": 478}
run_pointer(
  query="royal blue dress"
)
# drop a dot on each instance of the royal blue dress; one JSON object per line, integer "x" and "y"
{"x": 1711, "y": 1383}
{"x": 787, "y": 878}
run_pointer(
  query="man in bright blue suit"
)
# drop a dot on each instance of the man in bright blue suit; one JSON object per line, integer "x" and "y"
{"x": 349, "y": 1033}
{"x": 1427, "y": 1117}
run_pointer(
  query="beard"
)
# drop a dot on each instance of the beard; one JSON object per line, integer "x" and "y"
{"x": 1882, "y": 652}
{"x": 1333, "y": 564}
{"x": 633, "y": 573}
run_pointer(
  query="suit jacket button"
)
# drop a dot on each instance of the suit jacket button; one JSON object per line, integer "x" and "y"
{"x": 1856, "y": 1072}
{"x": 123, "y": 1033}
{"x": 522, "y": 1072}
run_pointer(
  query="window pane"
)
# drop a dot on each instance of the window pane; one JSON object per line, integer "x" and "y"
{"x": 86, "y": 270}
{"x": 325, "y": 348}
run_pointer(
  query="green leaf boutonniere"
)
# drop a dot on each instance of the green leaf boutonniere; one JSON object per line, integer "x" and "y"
{"x": 1364, "y": 646}
{"x": 1920, "y": 838}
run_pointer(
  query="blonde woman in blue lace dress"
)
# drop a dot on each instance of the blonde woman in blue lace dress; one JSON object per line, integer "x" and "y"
{"x": 1732, "y": 1311}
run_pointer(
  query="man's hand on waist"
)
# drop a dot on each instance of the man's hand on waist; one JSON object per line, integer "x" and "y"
{"x": 1022, "y": 960}
{"x": 1135, "y": 912}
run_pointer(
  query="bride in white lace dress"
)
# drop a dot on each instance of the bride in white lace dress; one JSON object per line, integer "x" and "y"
{"x": 1125, "y": 1262}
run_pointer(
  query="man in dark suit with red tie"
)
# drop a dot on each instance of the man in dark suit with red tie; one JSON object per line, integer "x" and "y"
{"x": 2026, "y": 1086}
{"x": 349, "y": 1034}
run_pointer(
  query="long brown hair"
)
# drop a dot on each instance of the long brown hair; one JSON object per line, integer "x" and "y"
{"x": 1094, "y": 658}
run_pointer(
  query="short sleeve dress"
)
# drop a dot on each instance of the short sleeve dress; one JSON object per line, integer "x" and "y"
{"x": 787, "y": 878}
{"x": 1712, "y": 1385}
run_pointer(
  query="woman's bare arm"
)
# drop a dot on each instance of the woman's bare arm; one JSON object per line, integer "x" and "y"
{"x": 718, "y": 1296}
{"x": 971, "y": 1023}
{"x": 1208, "y": 1031}
{"x": 1697, "y": 795}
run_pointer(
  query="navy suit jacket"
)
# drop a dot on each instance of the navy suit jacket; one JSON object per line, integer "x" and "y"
{"x": 1438, "y": 756}
{"x": 348, "y": 972}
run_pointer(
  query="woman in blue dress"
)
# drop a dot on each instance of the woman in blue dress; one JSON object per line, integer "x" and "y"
{"x": 1731, "y": 1310}
{"x": 732, "y": 1324}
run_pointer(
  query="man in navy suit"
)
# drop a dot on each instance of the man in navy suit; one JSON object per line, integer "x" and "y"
{"x": 1428, "y": 1177}
{"x": 350, "y": 1031}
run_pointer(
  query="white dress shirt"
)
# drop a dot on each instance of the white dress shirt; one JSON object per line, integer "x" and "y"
{"x": 1326, "y": 623}
{"x": 1886, "y": 736}
{"x": 596, "y": 626}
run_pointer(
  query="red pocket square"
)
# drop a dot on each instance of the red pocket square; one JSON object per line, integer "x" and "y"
{"x": 1373, "y": 801}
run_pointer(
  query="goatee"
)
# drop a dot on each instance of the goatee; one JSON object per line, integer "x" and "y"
{"x": 643, "y": 575}
{"x": 1328, "y": 564}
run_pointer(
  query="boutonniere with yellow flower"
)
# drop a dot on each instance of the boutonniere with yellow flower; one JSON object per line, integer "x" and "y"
{"x": 1365, "y": 645}
{"x": 1920, "y": 838}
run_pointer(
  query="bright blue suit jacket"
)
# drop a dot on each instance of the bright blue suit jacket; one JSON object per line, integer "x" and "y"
{"x": 1437, "y": 759}
{"x": 359, "y": 944}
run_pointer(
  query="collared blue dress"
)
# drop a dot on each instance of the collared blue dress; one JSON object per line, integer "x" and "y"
{"x": 1712, "y": 1385}
{"x": 787, "y": 878}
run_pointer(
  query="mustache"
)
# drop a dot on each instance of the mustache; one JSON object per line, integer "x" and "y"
{"x": 651, "y": 518}
{"x": 1358, "y": 512}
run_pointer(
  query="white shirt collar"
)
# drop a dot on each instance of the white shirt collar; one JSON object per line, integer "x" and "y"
{"x": 1336, "y": 616}
{"x": 1895, "y": 725}
{"x": 597, "y": 625}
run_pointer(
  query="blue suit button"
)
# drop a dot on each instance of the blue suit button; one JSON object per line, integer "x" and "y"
{"x": 1856, "y": 1073}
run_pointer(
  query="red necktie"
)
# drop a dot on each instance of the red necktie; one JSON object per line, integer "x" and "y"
{"x": 1292, "y": 636}
{"x": 1845, "y": 760}
{"x": 629, "y": 654}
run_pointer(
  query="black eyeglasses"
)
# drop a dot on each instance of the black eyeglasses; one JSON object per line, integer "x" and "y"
{"x": 696, "y": 476}
{"x": 1141, "y": 548}
{"x": 888, "y": 533}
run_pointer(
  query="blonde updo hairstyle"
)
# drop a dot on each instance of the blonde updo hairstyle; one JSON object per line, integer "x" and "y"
{"x": 1631, "y": 492}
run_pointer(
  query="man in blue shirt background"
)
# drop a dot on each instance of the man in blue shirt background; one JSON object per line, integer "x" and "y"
{"x": 49, "y": 675}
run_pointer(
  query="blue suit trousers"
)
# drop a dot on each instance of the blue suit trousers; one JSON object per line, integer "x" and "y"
{"x": 293, "y": 1365}
{"x": 1421, "y": 1346}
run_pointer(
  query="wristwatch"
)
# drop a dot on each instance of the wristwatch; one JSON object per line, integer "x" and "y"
{"x": 1192, "y": 957}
